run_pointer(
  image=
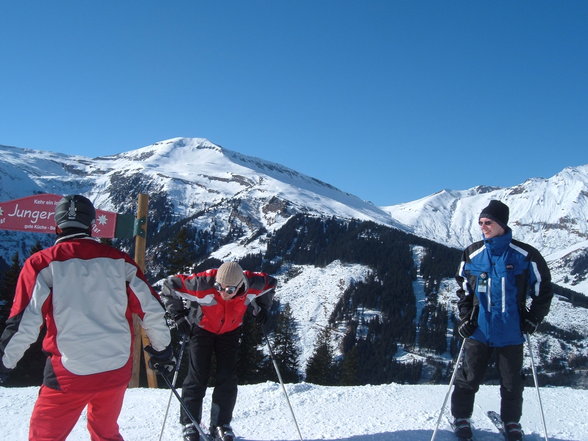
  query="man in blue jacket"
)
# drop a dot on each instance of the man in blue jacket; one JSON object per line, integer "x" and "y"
{"x": 504, "y": 292}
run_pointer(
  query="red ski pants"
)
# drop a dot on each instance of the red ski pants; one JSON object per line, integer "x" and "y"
{"x": 56, "y": 413}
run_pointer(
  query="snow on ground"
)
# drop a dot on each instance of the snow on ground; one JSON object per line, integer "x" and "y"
{"x": 390, "y": 412}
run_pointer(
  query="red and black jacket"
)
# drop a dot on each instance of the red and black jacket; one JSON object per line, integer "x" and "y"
{"x": 212, "y": 312}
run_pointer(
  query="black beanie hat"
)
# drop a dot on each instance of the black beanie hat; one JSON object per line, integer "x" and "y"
{"x": 497, "y": 211}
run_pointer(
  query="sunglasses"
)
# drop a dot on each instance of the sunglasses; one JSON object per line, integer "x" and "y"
{"x": 230, "y": 290}
{"x": 480, "y": 223}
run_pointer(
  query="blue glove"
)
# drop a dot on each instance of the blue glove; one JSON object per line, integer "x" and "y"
{"x": 161, "y": 361}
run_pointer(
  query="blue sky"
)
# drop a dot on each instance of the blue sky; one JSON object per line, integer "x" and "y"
{"x": 389, "y": 100}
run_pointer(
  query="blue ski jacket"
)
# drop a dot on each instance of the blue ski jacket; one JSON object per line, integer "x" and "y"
{"x": 501, "y": 281}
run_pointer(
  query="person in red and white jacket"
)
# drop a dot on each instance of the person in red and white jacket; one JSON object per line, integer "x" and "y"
{"x": 84, "y": 293}
{"x": 217, "y": 300}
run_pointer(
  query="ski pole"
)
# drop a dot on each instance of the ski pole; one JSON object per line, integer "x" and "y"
{"x": 449, "y": 389}
{"x": 281, "y": 382}
{"x": 536, "y": 385}
{"x": 203, "y": 435}
{"x": 180, "y": 355}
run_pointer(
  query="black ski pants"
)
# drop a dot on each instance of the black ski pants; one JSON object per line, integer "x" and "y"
{"x": 202, "y": 345}
{"x": 469, "y": 376}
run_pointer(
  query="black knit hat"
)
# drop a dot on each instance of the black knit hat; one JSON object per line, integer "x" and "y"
{"x": 497, "y": 211}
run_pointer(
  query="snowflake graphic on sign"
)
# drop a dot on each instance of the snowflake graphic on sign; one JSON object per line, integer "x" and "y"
{"x": 101, "y": 220}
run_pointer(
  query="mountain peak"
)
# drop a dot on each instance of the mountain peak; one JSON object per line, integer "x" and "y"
{"x": 163, "y": 148}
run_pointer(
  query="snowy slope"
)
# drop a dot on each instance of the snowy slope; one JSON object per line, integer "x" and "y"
{"x": 313, "y": 294}
{"x": 390, "y": 412}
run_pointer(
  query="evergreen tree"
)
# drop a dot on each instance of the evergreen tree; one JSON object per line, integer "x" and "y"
{"x": 180, "y": 252}
{"x": 8, "y": 288}
{"x": 285, "y": 349}
{"x": 36, "y": 247}
{"x": 319, "y": 369}
{"x": 433, "y": 328}
{"x": 30, "y": 367}
{"x": 350, "y": 368}
{"x": 251, "y": 359}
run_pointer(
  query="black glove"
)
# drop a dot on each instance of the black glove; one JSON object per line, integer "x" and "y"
{"x": 529, "y": 324}
{"x": 4, "y": 373}
{"x": 161, "y": 361}
{"x": 183, "y": 326}
{"x": 261, "y": 316}
{"x": 467, "y": 327}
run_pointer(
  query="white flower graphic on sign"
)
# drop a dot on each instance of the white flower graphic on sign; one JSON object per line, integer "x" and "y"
{"x": 101, "y": 220}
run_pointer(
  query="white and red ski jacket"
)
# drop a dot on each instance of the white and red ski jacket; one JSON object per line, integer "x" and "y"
{"x": 85, "y": 293}
{"x": 208, "y": 309}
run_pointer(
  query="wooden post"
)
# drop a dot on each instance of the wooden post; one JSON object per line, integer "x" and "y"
{"x": 141, "y": 338}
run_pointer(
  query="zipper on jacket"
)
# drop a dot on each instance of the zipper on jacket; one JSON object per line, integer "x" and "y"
{"x": 503, "y": 287}
{"x": 489, "y": 293}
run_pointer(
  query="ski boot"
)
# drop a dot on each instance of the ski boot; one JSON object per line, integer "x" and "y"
{"x": 190, "y": 433}
{"x": 513, "y": 431}
{"x": 222, "y": 433}
{"x": 462, "y": 428}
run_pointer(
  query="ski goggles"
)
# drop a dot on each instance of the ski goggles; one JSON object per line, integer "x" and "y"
{"x": 230, "y": 290}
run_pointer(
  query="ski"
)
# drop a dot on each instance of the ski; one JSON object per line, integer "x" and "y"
{"x": 497, "y": 421}
{"x": 460, "y": 438}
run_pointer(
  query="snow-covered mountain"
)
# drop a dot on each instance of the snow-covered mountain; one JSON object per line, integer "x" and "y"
{"x": 194, "y": 172}
{"x": 550, "y": 214}
{"x": 184, "y": 177}
{"x": 343, "y": 264}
